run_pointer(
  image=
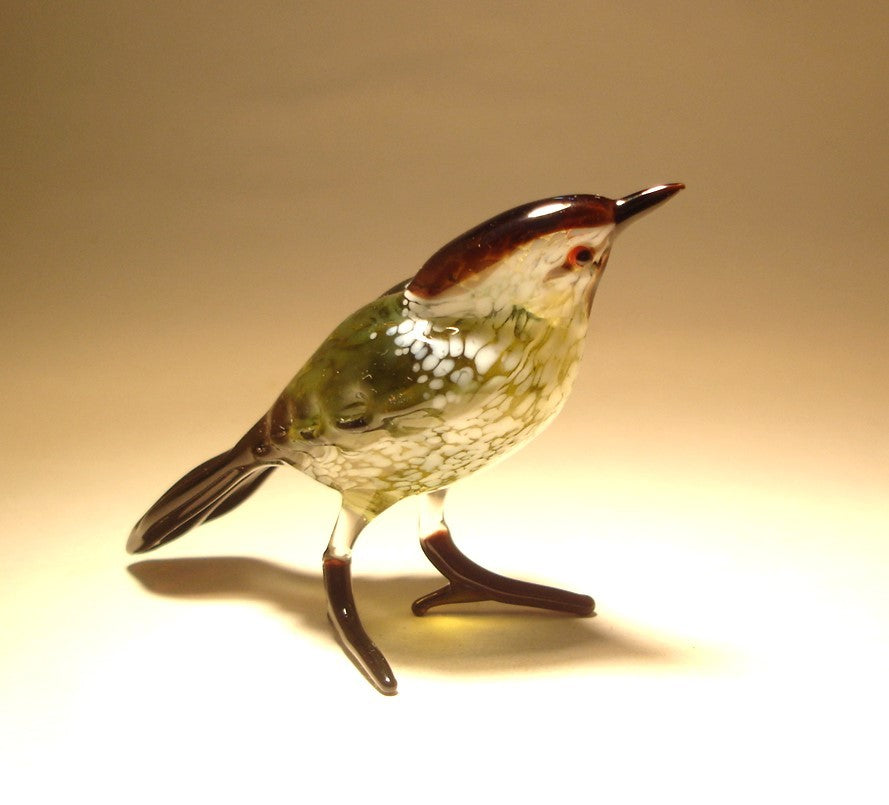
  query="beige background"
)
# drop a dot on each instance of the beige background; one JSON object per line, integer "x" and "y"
{"x": 195, "y": 194}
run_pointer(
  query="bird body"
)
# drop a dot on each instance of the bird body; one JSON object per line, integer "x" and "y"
{"x": 398, "y": 402}
{"x": 428, "y": 383}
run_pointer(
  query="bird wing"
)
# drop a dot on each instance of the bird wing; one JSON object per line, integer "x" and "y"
{"x": 357, "y": 382}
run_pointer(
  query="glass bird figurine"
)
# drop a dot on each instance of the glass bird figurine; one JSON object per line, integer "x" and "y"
{"x": 436, "y": 378}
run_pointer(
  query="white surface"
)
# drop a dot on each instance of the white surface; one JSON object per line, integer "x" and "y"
{"x": 739, "y": 651}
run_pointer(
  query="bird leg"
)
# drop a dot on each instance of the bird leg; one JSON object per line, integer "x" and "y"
{"x": 471, "y": 582}
{"x": 341, "y": 609}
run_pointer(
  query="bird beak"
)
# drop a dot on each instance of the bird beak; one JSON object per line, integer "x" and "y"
{"x": 630, "y": 207}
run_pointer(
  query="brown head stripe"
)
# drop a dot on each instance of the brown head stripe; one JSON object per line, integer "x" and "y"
{"x": 489, "y": 242}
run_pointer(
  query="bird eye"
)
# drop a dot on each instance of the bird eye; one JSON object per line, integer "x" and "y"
{"x": 580, "y": 256}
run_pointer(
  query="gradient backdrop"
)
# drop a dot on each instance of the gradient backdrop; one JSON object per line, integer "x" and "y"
{"x": 194, "y": 194}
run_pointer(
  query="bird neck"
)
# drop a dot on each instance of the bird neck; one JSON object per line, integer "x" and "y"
{"x": 560, "y": 304}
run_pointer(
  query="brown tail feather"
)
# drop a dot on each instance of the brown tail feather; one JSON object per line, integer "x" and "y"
{"x": 209, "y": 490}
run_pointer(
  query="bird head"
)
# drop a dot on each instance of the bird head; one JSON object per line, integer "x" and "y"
{"x": 546, "y": 256}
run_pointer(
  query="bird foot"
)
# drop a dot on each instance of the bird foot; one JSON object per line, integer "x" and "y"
{"x": 344, "y": 617}
{"x": 471, "y": 582}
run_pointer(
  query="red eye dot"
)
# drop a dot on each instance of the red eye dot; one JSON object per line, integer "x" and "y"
{"x": 580, "y": 256}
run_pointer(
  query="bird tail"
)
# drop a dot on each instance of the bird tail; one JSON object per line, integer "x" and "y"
{"x": 209, "y": 490}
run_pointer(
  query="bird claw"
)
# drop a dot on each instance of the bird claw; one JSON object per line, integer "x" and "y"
{"x": 452, "y": 593}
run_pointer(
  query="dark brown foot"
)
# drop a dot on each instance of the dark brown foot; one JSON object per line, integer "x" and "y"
{"x": 471, "y": 582}
{"x": 344, "y": 618}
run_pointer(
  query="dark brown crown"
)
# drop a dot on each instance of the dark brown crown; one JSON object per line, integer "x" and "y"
{"x": 491, "y": 241}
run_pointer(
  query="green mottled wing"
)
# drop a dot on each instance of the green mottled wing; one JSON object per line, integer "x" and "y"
{"x": 357, "y": 381}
